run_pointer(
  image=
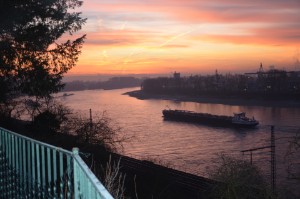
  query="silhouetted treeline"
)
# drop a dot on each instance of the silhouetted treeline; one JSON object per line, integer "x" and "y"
{"x": 277, "y": 84}
{"x": 112, "y": 83}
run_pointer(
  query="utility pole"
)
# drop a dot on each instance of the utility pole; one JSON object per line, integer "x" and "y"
{"x": 91, "y": 119}
{"x": 89, "y": 131}
{"x": 273, "y": 159}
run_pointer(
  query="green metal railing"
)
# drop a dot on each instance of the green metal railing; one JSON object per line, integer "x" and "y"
{"x": 32, "y": 169}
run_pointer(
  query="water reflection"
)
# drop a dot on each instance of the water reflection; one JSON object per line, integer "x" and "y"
{"x": 189, "y": 147}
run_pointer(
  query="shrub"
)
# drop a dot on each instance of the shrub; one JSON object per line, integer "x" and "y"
{"x": 238, "y": 180}
{"x": 46, "y": 122}
{"x": 114, "y": 180}
{"x": 99, "y": 131}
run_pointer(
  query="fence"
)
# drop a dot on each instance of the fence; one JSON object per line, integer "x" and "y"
{"x": 32, "y": 169}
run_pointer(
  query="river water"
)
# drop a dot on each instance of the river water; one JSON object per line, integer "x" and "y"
{"x": 190, "y": 147}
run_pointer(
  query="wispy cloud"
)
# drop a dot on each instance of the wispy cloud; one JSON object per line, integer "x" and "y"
{"x": 149, "y": 32}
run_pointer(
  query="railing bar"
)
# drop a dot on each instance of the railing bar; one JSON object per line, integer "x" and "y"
{"x": 44, "y": 184}
{"x": 88, "y": 187}
{"x": 21, "y": 164}
{"x": 98, "y": 196}
{"x": 1, "y": 166}
{"x": 54, "y": 154}
{"x": 9, "y": 165}
{"x": 93, "y": 192}
{"x": 69, "y": 176}
{"x": 1, "y": 140}
{"x": 76, "y": 181}
{"x": 24, "y": 167}
{"x": 5, "y": 163}
{"x": 13, "y": 152}
{"x": 2, "y": 136}
{"x": 38, "y": 166}
{"x": 82, "y": 184}
{"x": 61, "y": 174}
{"x": 33, "y": 170}
{"x": 17, "y": 168}
{"x": 49, "y": 170}
{"x": 10, "y": 150}
{"x": 29, "y": 155}
{"x": 6, "y": 145}
{"x": 13, "y": 166}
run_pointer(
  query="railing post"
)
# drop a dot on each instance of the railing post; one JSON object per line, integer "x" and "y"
{"x": 75, "y": 152}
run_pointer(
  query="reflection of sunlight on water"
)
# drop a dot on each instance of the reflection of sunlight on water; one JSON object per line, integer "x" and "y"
{"x": 189, "y": 147}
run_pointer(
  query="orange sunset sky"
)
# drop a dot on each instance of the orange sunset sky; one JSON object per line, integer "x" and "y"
{"x": 189, "y": 36}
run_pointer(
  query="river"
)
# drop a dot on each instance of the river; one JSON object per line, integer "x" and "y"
{"x": 190, "y": 147}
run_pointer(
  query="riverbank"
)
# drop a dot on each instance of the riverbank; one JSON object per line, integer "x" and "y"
{"x": 139, "y": 94}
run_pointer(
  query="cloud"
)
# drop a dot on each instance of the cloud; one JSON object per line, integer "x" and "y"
{"x": 149, "y": 32}
{"x": 119, "y": 37}
{"x": 271, "y": 35}
{"x": 149, "y": 15}
{"x": 229, "y": 11}
{"x": 175, "y": 46}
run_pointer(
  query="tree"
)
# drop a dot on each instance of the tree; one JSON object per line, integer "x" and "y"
{"x": 52, "y": 117}
{"x": 99, "y": 131}
{"x": 33, "y": 57}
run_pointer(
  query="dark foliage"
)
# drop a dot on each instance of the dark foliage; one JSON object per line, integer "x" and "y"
{"x": 47, "y": 122}
{"x": 238, "y": 180}
{"x": 100, "y": 131}
{"x": 32, "y": 59}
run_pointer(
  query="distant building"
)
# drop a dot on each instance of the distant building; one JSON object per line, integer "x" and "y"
{"x": 176, "y": 75}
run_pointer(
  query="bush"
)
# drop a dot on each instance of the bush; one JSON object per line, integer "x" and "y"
{"x": 238, "y": 180}
{"x": 100, "y": 131}
{"x": 47, "y": 122}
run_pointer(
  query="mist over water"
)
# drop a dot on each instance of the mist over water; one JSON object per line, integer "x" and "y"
{"x": 186, "y": 146}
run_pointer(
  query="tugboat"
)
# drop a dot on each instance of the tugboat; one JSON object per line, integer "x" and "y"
{"x": 238, "y": 119}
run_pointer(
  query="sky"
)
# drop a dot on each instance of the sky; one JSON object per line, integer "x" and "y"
{"x": 189, "y": 36}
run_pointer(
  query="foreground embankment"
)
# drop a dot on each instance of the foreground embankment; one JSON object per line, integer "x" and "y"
{"x": 229, "y": 100}
{"x": 143, "y": 179}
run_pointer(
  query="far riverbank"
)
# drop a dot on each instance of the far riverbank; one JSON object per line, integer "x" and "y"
{"x": 139, "y": 94}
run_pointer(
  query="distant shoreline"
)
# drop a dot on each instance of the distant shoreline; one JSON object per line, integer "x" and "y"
{"x": 139, "y": 94}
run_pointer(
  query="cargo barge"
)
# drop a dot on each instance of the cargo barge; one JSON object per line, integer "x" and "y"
{"x": 238, "y": 119}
